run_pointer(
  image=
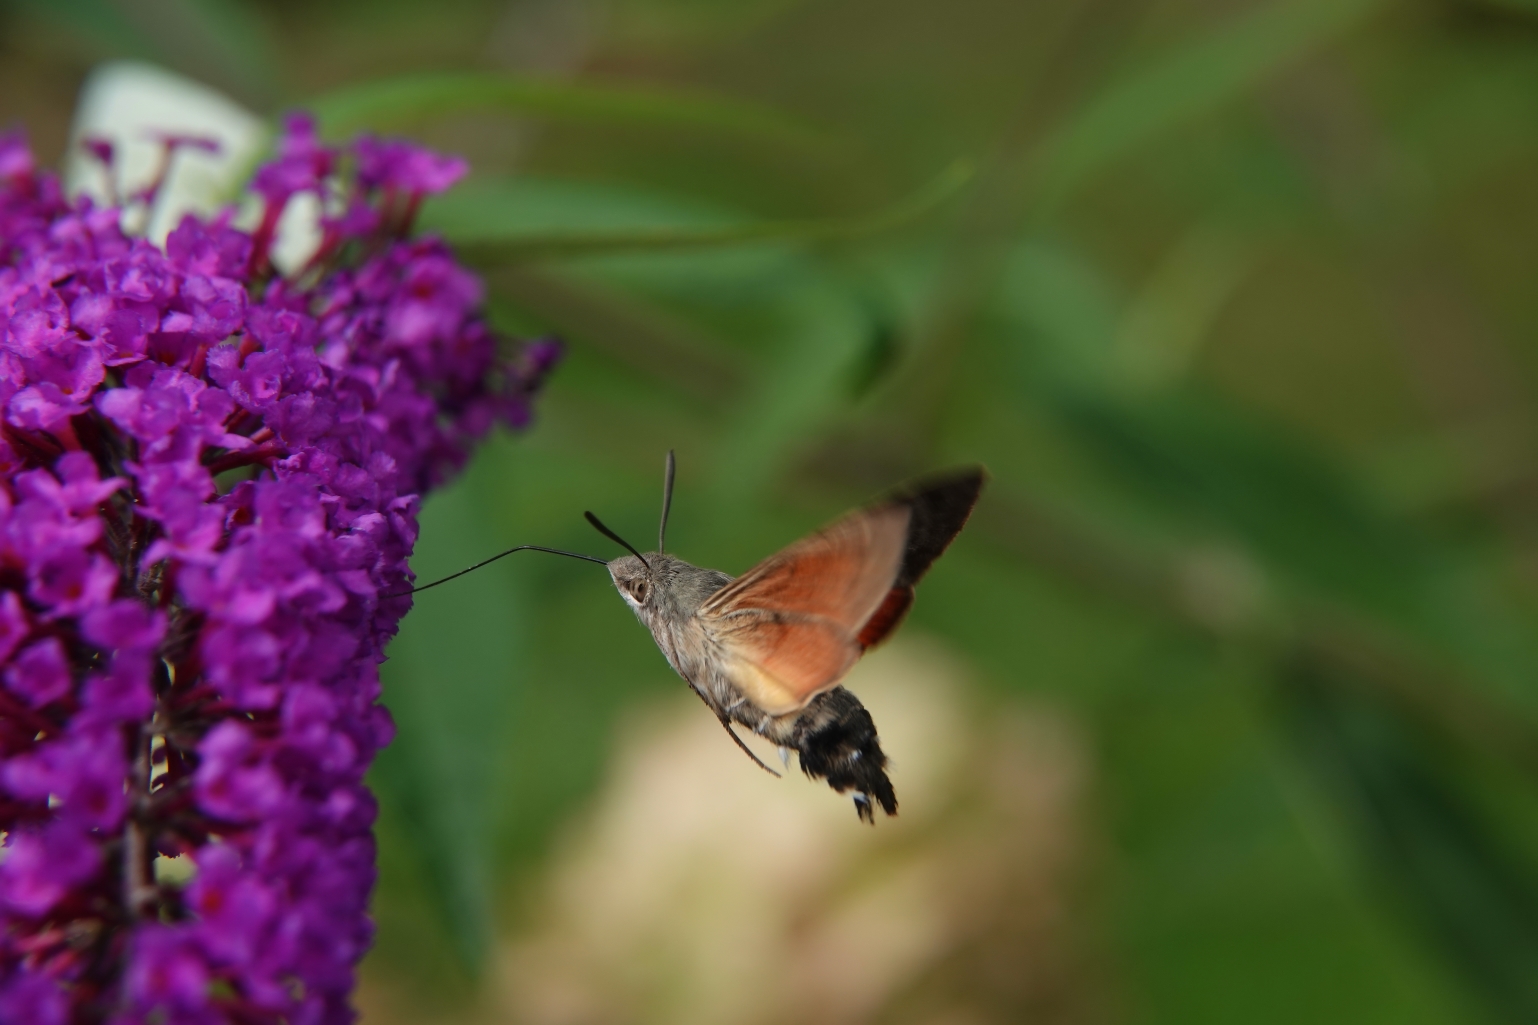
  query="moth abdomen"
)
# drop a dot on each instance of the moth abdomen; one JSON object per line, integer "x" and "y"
{"x": 837, "y": 741}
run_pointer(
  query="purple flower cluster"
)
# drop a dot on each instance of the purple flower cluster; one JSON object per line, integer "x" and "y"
{"x": 211, "y": 476}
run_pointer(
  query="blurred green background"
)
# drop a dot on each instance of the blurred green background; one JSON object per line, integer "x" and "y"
{"x": 1233, "y": 297}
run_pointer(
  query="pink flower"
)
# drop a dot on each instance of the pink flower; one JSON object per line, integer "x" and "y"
{"x": 210, "y": 481}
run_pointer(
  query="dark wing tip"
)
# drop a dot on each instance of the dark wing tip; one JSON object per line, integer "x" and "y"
{"x": 940, "y": 505}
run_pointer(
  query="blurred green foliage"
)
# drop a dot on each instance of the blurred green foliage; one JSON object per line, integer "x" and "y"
{"x": 1238, "y": 308}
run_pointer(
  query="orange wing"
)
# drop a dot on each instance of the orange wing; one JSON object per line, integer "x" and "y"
{"x": 789, "y": 627}
{"x": 793, "y": 625}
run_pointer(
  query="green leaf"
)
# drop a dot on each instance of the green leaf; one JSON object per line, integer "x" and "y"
{"x": 824, "y": 337}
{"x": 1191, "y": 459}
{"x": 100, "y": 21}
{"x": 449, "y": 683}
{"x": 1237, "y": 904}
{"x": 1222, "y": 468}
{"x": 224, "y": 42}
{"x": 1169, "y": 320}
{"x": 236, "y": 43}
{"x": 811, "y": 332}
{"x": 1421, "y": 838}
{"x": 494, "y": 207}
{"x": 1064, "y": 312}
{"x": 412, "y": 99}
{"x": 649, "y": 344}
{"x": 1517, "y": 7}
{"x": 1185, "y": 83}
{"x": 480, "y": 242}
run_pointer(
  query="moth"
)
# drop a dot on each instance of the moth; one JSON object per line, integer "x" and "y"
{"x": 767, "y": 650}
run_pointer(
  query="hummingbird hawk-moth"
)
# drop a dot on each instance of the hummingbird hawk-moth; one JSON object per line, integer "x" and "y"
{"x": 767, "y": 650}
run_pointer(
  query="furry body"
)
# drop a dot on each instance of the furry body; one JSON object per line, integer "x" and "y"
{"x": 768, "y": 650}
{"x": 833, "y": 735}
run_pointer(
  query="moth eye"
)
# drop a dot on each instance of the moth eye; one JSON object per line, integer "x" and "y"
{"x": 638, "y": 590}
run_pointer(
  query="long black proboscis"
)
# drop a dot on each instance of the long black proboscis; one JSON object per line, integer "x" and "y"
{"x": 606, "y": 532}
{"x": 667, "y": 501}
{"x": 494, "y": 558}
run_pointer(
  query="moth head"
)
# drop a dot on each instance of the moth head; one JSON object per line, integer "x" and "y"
{"x": 634, "y": 580}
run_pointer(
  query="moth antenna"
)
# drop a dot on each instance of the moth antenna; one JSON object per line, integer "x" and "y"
{"x": 667, "y": 500}
{"x": 748, "y": 750}
{"x": 606, "y": 532}
{"x": 494, "y": 558}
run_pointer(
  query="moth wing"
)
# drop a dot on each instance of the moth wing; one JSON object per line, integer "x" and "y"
{"x": 939, "y": 506}
{"x": 790, "y": 627}
{"x": 780, "y": 664}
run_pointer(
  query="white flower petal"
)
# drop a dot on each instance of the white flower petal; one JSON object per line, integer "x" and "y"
{"x": 298, "y": 235}
{"x": 131, "y": 104}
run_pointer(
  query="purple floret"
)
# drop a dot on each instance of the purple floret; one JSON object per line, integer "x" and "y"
{"x": 211, "y": 482}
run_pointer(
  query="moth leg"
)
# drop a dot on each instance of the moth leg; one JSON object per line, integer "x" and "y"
{"x": 727, "y": 726}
